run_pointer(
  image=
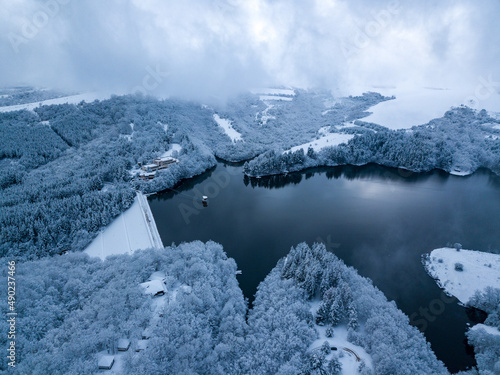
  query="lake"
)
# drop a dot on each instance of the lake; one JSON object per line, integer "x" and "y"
{"x": 378, "y": 220}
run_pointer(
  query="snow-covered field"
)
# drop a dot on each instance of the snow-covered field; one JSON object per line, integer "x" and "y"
{"x": 326, "y": 140}
{"x": 228, "y": 128}
{"x": 419, "y": 106}
{"x": 349, "y": 362}
{"x": 133, "y": 230}
{"x": 480, "y": 270}
{"x": 73, "y": 99}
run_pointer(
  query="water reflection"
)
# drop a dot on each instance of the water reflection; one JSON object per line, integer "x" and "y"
{"x": 367, "y": 172}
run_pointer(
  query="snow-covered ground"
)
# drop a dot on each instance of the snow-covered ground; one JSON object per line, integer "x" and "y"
{"x": 480, "y": 270}
{"x": 326, "y": 140}
{"x": 228, "y": 128}
{"x": 419, "y": 106}
{"x": 174, "y": 147}
{"x": 349, "y": 362}
{"x": 264, "y": 115}
{"x": 133, "y": 230}
{"x": 72, "y": 99}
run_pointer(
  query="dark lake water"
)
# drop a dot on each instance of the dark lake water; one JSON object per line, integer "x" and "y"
{"x": 378, "y": 220}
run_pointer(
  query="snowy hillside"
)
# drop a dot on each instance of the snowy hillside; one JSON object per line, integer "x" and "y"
{"x": 462, "y": 273}
{"x": 413, "y": 106}
{"x": 73, "y": 99}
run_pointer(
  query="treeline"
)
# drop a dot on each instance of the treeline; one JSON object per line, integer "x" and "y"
{"x": 23, "y": 95}
{"x": 462, "y": 141}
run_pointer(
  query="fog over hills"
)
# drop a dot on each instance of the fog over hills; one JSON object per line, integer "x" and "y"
{"x": 200, "y": 50}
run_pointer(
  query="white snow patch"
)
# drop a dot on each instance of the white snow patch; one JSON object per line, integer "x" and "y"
{"x": 228, "y": 128}
{"x": 339, "y": 340}
{"x": 324, "y": 131}
{"x": 419, "y": 106}
{"x": 128, "y": 137}
{"x": 264, "y": 115}
{"x": 480, "y": 270}
{"x": 72, "y": 99}
{"x": 458, "y": 172}
{"x": 331, "y": 139}
{"x": 153, "y": 287}
{"x": 174, "y": 147}
{"x": 132, "y": 230}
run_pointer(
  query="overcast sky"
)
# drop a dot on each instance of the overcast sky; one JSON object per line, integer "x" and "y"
{"x": 199, "y": 48}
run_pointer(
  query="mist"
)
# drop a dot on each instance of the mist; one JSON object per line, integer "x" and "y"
{"x": 212, "y": 49}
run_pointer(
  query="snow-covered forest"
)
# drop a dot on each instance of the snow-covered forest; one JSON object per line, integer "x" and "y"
{"x": 67, "y": 170}
{"x": 78, "y": 307}
{"x": 460, "y": 142}
{"x": 142, "y": 140}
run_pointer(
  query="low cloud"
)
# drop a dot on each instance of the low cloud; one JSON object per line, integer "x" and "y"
{"x": 216, "y": 48}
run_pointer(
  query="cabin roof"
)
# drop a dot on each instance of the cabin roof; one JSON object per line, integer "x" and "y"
{"x": 123, "y": 343}
{"x": 153, "y": 287}
{"x": 142, "y": 344}
{"x": 106, "y": 361}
